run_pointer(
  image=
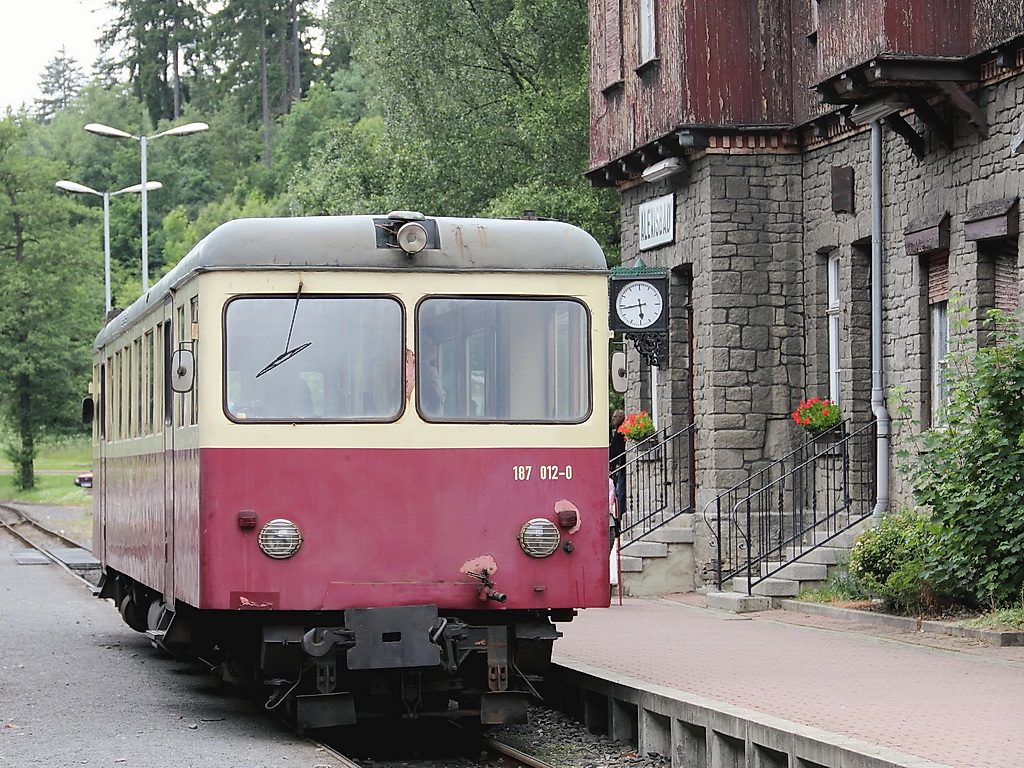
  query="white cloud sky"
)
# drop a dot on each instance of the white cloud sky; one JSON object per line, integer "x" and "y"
{"x": 31, "y": 34}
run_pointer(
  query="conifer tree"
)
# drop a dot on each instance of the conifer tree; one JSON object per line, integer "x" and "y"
{"x": 61, "y": 82}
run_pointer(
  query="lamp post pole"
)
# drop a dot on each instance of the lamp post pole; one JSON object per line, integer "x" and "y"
{"x": 182, "y": 130}
{"x": 81, "y": 189}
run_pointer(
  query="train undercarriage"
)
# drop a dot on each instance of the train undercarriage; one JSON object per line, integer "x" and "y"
{"x": 325, "y": 669}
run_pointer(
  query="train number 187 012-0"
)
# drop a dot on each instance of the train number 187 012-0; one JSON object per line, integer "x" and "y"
{"x": 547, "y": 472}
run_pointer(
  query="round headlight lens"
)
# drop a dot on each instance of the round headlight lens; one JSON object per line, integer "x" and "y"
{"x": 539, "y": 537}
{"x": 280, "y": 538}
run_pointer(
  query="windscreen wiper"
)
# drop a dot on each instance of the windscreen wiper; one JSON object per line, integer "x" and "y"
{"x": 289, "y": 352}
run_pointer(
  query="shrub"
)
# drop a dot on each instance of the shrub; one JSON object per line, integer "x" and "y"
{"x": 970, "y": 474}
{"x": 888, "y": 561}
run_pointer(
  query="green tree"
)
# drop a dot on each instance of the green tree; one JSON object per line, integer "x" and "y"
{"x": 61, "y": 82}
{"x": 160, "y": 39}
{"x": 485, "y": 108}
{"x": 50, "y": 300}
{"x": 258, "y": 56}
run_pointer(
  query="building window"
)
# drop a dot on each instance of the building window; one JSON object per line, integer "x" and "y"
{"x": 612, "y": 47}
{"x": 938, "y": 303}
{"x": 833, "y": 316}
{"x": 998, "y": 286}
{"x": 648, "y": 48}
{"x": 940, "y": 348}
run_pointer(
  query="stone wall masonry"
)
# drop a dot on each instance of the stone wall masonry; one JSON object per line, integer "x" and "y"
{"x": 977, "y": 170}
{"x": 741, "y": 243}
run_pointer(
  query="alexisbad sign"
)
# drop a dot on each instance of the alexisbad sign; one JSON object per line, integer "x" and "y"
{"x": 657, "y": 221}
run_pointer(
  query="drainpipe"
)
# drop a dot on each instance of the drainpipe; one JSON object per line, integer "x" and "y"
{"x": 877, "y": 392}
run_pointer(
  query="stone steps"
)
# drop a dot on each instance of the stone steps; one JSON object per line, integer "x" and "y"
{"x": 650, "y": 565}
{"x": 788, "y": 579}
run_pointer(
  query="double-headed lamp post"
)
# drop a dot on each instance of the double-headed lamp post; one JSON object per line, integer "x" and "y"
{"x": 81, "y": 189}
{"x": 116, "y": 133}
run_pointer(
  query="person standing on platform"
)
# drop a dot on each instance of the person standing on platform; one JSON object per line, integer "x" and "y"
{"x": 617, "y": 468}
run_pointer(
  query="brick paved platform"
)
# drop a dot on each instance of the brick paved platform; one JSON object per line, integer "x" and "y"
{"x": 949, "y": 700}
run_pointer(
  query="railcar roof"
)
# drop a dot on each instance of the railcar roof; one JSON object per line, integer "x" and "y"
{"x": 350, "y": 242}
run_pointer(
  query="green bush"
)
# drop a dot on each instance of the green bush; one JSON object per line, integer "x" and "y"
{"x": 888, "y": 561}
{"x": 970, "y": 474}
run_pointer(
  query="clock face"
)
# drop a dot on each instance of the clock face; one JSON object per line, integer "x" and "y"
{"x": 639, "y": 304}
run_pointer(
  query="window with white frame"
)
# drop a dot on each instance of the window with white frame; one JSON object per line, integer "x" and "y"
{"x": 648, "y": 49}
{"x": 833, "y": 315}
{"x": 940, "y": 350}
{"x": 938, "y": 326}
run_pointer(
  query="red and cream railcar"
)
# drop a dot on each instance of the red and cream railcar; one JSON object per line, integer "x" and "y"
{"x": 360, "y": 460}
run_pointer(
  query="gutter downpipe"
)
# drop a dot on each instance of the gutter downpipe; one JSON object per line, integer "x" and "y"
{"x": 877, "y": 392}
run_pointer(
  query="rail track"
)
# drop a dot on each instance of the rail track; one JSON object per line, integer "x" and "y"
{"x": 438, "y": 744}
{"x": 510, "y": 757}
{"x": 513, "y": 757}
{"x": 44, "y": 541}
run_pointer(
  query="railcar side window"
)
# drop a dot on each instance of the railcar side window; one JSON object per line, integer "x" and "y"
{"x": 314, "y": 359}
{"x": 503, "y": 359}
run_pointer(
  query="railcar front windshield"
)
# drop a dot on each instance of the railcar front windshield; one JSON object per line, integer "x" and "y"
{"x": 503, "y": 360}
{"x": 314, "y": 358}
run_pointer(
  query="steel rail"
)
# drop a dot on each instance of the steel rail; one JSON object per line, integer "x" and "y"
{"x": 24, "y": 539}
{"x": 334, "y": 754}
{"x": 39, "y": 526}
{"x": 520, "y": 758}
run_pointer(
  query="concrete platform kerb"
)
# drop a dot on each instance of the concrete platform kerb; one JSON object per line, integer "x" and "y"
{"x": 799, "y": 688}
{"x": 691, "y": 728}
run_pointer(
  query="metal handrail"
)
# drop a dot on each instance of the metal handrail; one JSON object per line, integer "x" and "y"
{"x": 793, "y": 505}
{"x": 659, "y": 481}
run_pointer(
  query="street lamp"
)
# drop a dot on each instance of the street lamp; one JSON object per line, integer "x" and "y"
{"x": 115, "y": 133}
{"x": 81, "y": 189}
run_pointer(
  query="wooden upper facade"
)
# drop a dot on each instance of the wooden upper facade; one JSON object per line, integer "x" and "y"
{"x": 667, "y": 74}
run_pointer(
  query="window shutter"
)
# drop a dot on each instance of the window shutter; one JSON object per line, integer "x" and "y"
{"x": 938, "y": 277}
{"x": 1007, "y": 288}
{"x": 612, "y": 41}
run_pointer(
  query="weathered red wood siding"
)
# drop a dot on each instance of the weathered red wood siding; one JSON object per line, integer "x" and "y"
{"x": 994, "y": 21}
{"x": 753, "y": 63}
{"x": 725, "y": 63}
{"x": 853, "y": 31}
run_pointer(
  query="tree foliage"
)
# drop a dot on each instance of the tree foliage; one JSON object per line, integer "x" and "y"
{"x": 48, "y": 299}
{"x": 61, "y": 82}
{"x": 969, "y": 473}
{"x": 160, "y": 39}
{"x": 484, "y": 106}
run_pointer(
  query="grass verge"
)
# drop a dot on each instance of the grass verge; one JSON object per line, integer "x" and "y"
{"x": 58, "y": 490}
{"x": 66, "y": 455}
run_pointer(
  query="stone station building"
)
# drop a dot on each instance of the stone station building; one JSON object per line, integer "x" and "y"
{"x": 766, "y": 155}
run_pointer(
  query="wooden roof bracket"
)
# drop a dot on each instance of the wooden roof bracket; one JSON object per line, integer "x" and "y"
{"x": 923, "y": 109}
{"x": 965, "y": 104}
{"x": 903, "y": 128}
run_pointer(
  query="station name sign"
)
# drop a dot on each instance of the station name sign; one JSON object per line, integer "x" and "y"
{"x": 657, "y": 222}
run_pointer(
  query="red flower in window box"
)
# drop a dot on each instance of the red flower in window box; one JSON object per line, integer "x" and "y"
{"x": 817, "y": 415}
{"x": 637, "y": 426}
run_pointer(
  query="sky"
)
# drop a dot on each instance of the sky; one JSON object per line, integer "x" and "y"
{"x": 31, "y": 34}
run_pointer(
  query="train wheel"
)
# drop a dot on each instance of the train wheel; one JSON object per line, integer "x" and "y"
{"x": 133, "y": 617}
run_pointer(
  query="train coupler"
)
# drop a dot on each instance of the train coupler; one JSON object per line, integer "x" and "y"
{"x": 320, "y": 641}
